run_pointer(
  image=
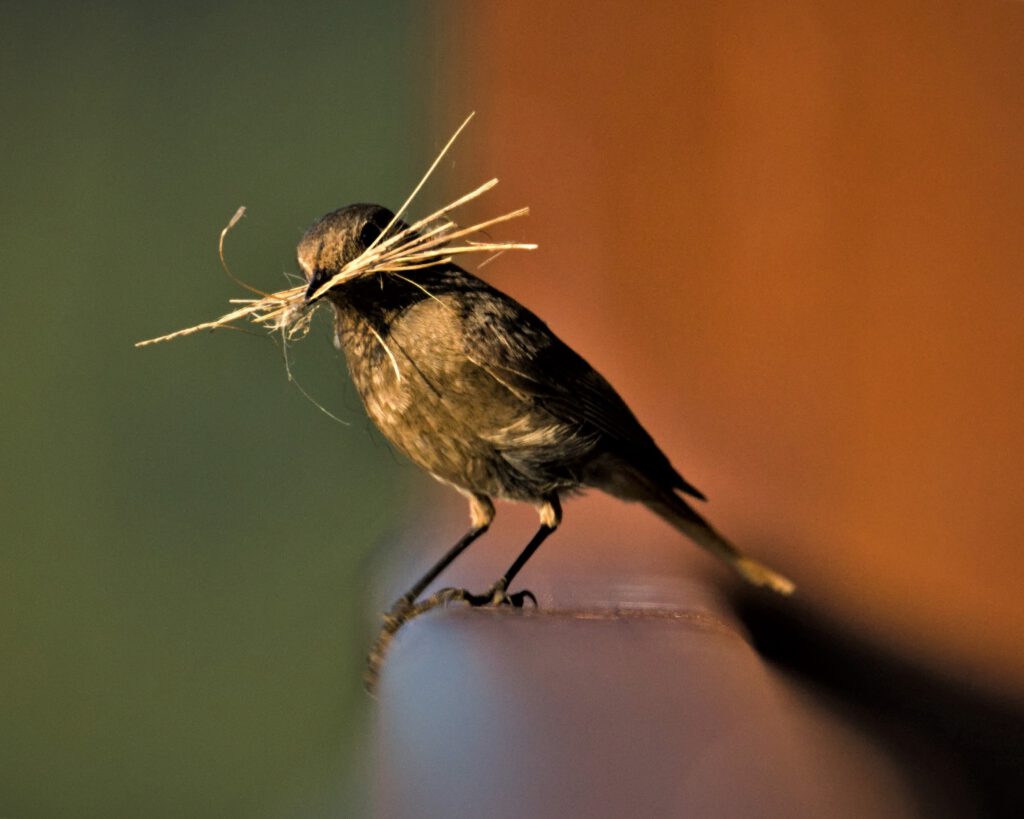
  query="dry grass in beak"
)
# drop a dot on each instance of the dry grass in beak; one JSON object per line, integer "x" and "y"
{"x": 430, "y": 241}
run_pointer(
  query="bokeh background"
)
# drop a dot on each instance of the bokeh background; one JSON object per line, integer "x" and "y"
{"x": 187, "y": 540}
{"x": 789, "y": 233}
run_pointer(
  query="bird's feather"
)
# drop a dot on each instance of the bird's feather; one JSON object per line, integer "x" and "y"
{"x": 530, "y": 361}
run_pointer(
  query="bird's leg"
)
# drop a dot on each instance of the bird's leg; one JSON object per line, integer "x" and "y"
{"x": 497, "y": 595}
{"x": 481, "y": 512}
{"x": 404, "y": 605}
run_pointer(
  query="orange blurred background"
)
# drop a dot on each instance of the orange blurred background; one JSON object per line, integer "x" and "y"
{"x": 790, "y": 234}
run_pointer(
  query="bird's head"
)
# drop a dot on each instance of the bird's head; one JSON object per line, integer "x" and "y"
{"x": 339, "y": 237}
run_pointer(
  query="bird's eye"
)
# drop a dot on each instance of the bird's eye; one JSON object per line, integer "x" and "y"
{"x": 374, "y": 227}
{"x": 370, "y": 232}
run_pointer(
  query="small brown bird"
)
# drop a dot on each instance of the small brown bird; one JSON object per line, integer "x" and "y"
{"x": 478, "y": 391}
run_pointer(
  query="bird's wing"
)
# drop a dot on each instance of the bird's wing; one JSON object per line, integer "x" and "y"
{"x": 519, "y": 351}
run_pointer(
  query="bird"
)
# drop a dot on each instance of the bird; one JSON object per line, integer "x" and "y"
{"x": 477, "y": 390}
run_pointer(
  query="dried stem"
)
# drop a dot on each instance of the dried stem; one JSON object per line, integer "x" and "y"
{"x": 433, "y": 240}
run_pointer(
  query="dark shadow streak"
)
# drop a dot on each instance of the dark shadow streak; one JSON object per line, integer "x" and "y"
{"x": 905, "y": 705}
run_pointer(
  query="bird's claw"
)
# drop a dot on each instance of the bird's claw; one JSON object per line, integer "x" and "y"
{"x": 495, "y": 596}
{"x": 518, "y": 599}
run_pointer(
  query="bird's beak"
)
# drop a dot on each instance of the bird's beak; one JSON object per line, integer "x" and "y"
{"x": 319, "y": 277}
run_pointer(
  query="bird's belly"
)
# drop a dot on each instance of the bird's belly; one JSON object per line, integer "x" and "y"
{"x": 452, "y": 427}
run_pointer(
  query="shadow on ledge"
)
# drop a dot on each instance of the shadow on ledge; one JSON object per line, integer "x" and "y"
{"x": 903, "y": 705}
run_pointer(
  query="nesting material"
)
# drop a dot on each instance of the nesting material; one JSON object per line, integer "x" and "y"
{"x": 433, "y": 240}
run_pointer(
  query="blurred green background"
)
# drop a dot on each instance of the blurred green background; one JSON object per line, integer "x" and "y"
{"x": 188, "y": 542}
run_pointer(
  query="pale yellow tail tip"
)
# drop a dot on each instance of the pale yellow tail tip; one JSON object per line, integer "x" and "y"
{"x": 760, "y": 575}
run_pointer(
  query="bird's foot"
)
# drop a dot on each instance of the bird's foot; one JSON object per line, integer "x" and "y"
{"x": 496, "y": 596}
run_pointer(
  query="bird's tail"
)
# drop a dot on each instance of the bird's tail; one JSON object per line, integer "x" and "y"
{"x": 683, "y": 517}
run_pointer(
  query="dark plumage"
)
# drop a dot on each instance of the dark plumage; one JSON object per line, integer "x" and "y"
{"x": 478, "y": 391}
